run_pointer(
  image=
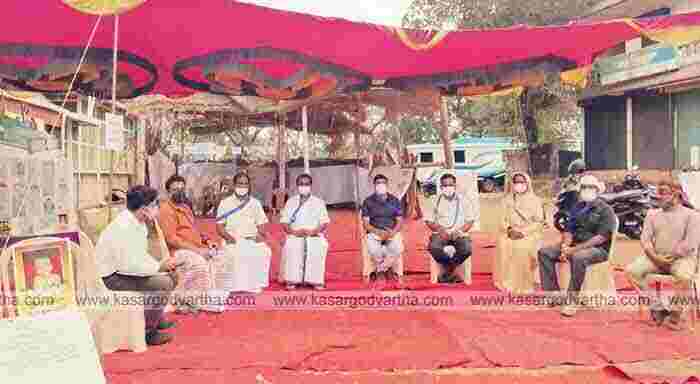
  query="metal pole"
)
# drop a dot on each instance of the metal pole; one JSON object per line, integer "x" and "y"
{"x": 114, "y": 110}
{"x": 305, "y": 126}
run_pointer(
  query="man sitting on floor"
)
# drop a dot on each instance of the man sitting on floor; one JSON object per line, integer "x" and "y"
{"x": 670, "y": 242}
{"x": 240, "y": 220}
{"x": 382, "y": 217}
{"x": 186, "y": 245}
{"x": 450, "y": 221}
{"x": 122, "y": 259}
{"x": 304, "y": 219}
{"x": 586, "y": 241}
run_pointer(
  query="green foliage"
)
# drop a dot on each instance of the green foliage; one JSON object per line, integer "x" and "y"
{"x": 418, "y": 130}
{"x": 552, "y": 106}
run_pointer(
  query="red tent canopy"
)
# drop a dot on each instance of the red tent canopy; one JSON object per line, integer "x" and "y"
{"x": 176, "y": 48}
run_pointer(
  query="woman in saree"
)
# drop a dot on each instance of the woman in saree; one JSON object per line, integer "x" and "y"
{"x": 520, "y": 236}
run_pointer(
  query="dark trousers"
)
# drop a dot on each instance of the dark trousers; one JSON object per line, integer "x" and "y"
{"x": 579, "y": 262}
{"x": 463, "y": 247}
{"x": 156, "y": 290}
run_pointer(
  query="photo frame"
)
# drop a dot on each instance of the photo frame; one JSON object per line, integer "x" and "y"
{"x": 44, "y": 277}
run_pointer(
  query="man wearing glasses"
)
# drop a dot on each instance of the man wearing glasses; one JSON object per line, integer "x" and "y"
{"x": 239, "y": 221}
{"x": 304, "y": 219}
{"x": 381, "y": 218}
{"x": 585, "y": 242}
{"x": 450, "y": 221}
{"x": 122, "y": 259}
{"x": 670, "y": 242}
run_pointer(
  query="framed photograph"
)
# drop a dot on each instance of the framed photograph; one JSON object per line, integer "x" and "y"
{"x": 43, "y": 277}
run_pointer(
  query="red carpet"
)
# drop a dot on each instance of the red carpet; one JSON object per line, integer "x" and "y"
{"x": 389, "y": 340}
{"x": 340, "y": 346}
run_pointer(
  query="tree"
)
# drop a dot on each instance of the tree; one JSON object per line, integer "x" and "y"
{"x": 525, "y": 117}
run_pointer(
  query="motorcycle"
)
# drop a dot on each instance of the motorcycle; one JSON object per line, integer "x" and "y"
{"x": 630, "y": 202}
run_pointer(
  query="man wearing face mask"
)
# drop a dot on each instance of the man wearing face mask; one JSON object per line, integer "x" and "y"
{"x": 123, "y": 262}
{"x": 186, "y": 244}
{"x": 450, "y": 221}
{"x": 670, "y": 241}
{"x": 382, "y": 217}
{"x": 239, "y": 221}
{"x": 585, "y": 242}
{"x": 304, "y": 219}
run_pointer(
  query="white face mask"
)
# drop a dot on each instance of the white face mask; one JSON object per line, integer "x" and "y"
{"x": 588, "y": 195}
{"x": 241, "y": 191}
{"x": 380, "y": 188}
{"x": 519, "y": 187}
{"x": 304, "y": 190}
{"x": 448, "y": 191}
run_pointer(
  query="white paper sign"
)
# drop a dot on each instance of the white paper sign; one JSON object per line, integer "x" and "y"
{"x": 49, "y": 347}
{"x": 114, "y": 132}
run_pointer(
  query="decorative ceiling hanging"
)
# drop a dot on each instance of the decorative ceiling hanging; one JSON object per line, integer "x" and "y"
{"x": 49, "y": 69}
{"x": 103, "y": 7}
{"x": 267, "y": 72}
{"x": 419, "y": 40}
{"x": 487, "y": 79}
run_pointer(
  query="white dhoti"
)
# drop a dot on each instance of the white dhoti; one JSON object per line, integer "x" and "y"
{"x": 247, "y": 266}
{"x": 305, "y": 260}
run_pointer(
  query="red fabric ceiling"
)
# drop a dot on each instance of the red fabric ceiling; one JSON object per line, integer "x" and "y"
{"x": 164, "y": 32}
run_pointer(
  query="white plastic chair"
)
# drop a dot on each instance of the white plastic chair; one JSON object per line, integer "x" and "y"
{"x": 367, "y": 264}
{"x": 464, "y": 271}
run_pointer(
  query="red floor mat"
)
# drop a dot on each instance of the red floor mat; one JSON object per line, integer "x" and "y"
{"x": 272, "y": 376}
{"x": 364, "y": 340}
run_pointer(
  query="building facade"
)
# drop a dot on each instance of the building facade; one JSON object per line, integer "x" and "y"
{"x": 642, "y": 106}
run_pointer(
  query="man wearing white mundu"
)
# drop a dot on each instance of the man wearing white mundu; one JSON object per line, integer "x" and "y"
{"x": 305, "y": 219}
{"x": 240, "y": 220}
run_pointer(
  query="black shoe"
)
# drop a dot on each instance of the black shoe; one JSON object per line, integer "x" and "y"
{"x": 443, "y": 278}
{"x": 455, "y": 279}
{"x": 659, "y": 315}
{"x": 373, "y": 276}
{"x": 391, "y": 275}
{"x": 165, "y": 325}
{"x": 154, "y": 338}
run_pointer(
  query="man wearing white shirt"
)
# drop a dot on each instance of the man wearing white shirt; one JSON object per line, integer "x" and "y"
{"x": 124, "y": 264}
{"x": 450, "y": 221}
{"x": 304, "y": 219}
{"x": 240, "y": 220}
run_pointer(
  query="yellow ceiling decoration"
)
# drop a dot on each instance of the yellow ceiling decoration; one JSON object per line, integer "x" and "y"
{"x": 103, "y": 7}
{"x": 412, "y": 40}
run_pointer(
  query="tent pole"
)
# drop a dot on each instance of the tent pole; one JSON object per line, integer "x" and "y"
{"x": 305, "y": 125}
{"x": 114, "y": 111}
{"x": 445, "y": 134}
{"x": 282, "y": 155}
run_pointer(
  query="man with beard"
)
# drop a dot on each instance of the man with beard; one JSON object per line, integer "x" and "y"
{"x": 186, "y": 244}
{"x": 670, "y": 243}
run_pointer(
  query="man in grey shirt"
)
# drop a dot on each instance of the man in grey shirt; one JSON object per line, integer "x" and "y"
{"x": 670, "y": 243}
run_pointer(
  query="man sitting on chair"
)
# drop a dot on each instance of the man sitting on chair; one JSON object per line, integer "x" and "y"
{"x": 304, "y": 219}
{"x": 585, "y": 242}
{"x": 382, "y": 217}
{"x": 240, "y": 220}
{"x": 186, "y": 244}
{"x": 122, "y": 259}
{"x": 450, "y": 221}
{"x": 670, "y": 242}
